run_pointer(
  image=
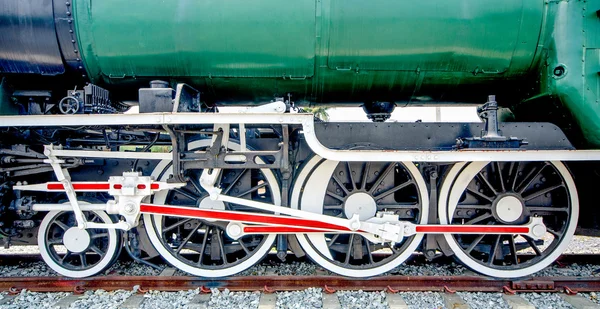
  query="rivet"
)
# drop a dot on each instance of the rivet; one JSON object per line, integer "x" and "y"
{"x": 70, "y": 31}
{"x": 75, "y": 51}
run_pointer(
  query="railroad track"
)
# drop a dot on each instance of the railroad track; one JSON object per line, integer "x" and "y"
{"x": 395, "y": 291}
{"x": 269, "y": 284}
{"x": 266, "y": 286}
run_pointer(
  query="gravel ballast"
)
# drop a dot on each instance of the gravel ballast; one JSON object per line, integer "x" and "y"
{"x": 101, "y": 299}
{"x": 484, "y": 300}
{"x": 28, "y": 299}
{"x": 307, "y": 299}
{"x": 423, "y": 300}
{"x": 167, "y": 300}
{"x": 226, "y": 299}
{"x": 362, "y": 300}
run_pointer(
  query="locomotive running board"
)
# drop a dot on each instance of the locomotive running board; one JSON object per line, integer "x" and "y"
{"x": 307, "y": 122}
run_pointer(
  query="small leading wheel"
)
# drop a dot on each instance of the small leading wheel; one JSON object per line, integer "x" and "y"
{"x": 509, "y": 193}
{"x": 342, "y": 189}
{"x": 74, "y": 252}
{"x": 201, "y": 247}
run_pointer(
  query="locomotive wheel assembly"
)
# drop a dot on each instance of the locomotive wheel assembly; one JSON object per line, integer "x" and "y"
{"x": 359, "y": 197}
{"x": 500, "y": 193}
{"x": 219, "y": 211}
{"x": 75, "y": 252}
{"x": 202, "y": 247}
{"x": 345, "y": 189}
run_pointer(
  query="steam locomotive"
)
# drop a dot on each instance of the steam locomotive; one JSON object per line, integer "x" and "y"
{"x": 214, "y": 192}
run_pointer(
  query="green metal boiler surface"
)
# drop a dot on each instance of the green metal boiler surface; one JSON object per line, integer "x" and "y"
{"x": 321, "y": 50}
{"x": 533, "y": 55}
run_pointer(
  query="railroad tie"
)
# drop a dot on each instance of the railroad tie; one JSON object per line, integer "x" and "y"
{"x": 331, "y": 301}
{"x": 453, "y": 301}
{"x": 267, "y": 301}
{"x": 66, "y": 301}
{"x": 517, "y": 302}
{"x": 7, "y": 299}
{"x": 167, "y": 272}
{"x": 200, "y": 301}
{"x": 133, "y": 302}
{"x": 579, "y": 301}
{"x": 395, "y": 301}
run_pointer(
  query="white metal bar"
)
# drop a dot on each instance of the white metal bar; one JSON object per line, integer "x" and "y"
{"x": 242, "y": 137}
{"x": 113, "y": 154}
{"x": 62, "y": 175}
{"x": 352, "y": 224}
{"x": 46, "y": 187}
{"x": 67, "y": 207}
{"x": 152, "y": 119}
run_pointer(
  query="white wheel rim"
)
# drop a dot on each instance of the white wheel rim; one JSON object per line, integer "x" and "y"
{"x": 314, "y": 244}
{"x": 152, "y": 223}
{"x": 457, "y": 180}
{"x": 100, "y": 266}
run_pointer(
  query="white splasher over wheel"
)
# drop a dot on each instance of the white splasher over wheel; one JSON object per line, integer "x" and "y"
{"x": 201, "y": 247}
{"x": 341, "y": 189}
{"x": 73, "y": 252}
{"x": 504, "y": 193}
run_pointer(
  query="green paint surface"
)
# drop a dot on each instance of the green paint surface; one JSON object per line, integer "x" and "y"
{"x": 352, "y": 51}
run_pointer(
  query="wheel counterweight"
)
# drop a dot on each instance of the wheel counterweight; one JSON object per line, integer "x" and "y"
{"x": 504, "y": 193}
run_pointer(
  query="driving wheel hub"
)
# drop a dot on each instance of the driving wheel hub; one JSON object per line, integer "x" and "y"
{"x": 362, "y": 204}
{"x": 509, "y": 208}
{"x": 76, "y": 240}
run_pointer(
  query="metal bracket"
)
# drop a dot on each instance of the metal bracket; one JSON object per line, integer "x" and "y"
{"x": 491, "y": 137}
{"x": 278, "y": 107}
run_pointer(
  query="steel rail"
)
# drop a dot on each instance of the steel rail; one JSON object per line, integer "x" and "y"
{"x": 292, "y": 283}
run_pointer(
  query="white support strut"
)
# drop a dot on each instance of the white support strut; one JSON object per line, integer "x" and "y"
{"x": 62, "y": 175}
